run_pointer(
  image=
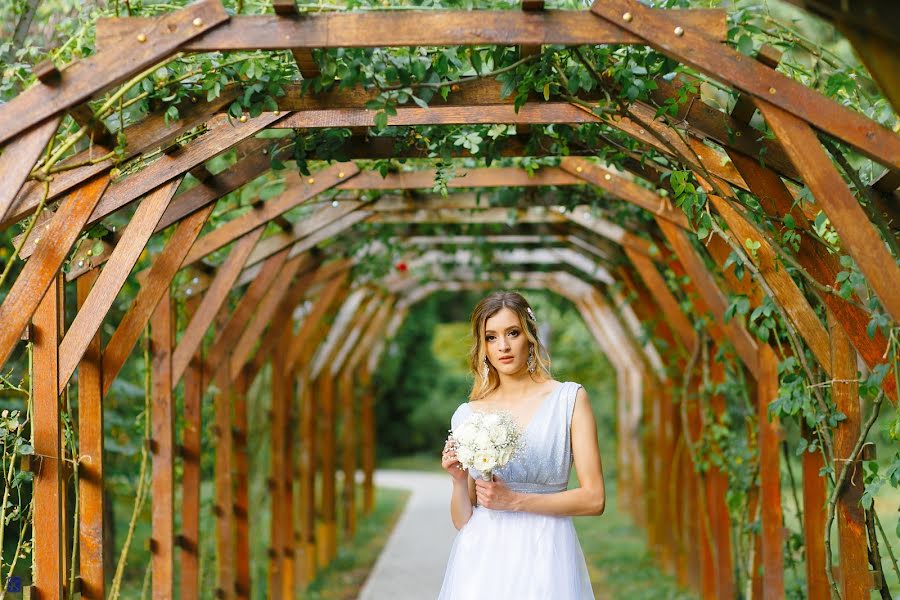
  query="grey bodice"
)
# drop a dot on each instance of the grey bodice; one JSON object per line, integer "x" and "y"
{"x": 546, "y": 461}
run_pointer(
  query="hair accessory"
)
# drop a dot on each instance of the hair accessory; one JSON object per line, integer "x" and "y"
{"x": 531, "y": 314}
{"x": 484, "y": 369}
{"x": 532, "y": 364}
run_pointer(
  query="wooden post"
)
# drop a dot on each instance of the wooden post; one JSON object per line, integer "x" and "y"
{"x": 350, "y": 444}
{"x": 329, "y": 465}
{"x": 191, "y": 450}
{"x": 90, "y": 448}
{"x": 48, "y": 516}
{"x": 814, "y": 516}
{"x": 224, "y": 511}
{"x": 162, "y": 443}
{"x": 855, "y": 580}
{"x": 770, "y": 477}
{"x": 717, "y": 509}
{"x": 368, "y": 440}
{"x": 241, "y": 493}
{"x": 307, "y": 467}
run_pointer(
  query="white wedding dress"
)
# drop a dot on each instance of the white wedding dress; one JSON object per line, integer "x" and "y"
{"x": 505, "y": 555}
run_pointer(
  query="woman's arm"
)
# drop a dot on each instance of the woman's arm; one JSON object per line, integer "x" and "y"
{"x": 461, "y": 502}
{"x": 588, "y": 499}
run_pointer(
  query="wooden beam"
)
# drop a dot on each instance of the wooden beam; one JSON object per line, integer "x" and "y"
{"x": 242, "y": 492}
{"x": 48, "y": 519}
{"x": 860, "y": 239}
{"x": 224, "y": 486}
{"x": 91, "y": 510}
{"x": 191, "y": 451}
{"x": 770, "y": 476}
{"x": 223, "y": 133}
{"x": 855, "y": 580}
{"x": 127, "y": 252}
{"x": 266, "y": 211}
{"x": 815, "y": 503}
{"x": 697, "y": 49}
{"x": 154, "y": 286}
{"x": 19, "y": 158}
{"x": 38, "y": 273}
{"x": 162, "y": 449}
{"x": 410, "y": 28}
{"x": 214, "y": 298}
{"x": 89, "y": 76}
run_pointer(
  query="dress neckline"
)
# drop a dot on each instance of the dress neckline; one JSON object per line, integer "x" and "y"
{"x": 544, "y": 401}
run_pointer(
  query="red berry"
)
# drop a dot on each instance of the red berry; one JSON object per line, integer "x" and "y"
{"x": 401, "y": 266}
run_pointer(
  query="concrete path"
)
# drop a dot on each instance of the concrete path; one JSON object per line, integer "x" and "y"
{"x": 411, "y": 566}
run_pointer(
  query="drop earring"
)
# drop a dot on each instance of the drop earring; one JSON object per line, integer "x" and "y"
{"x": 532, "y": 364}
{"x": 484, "y": 369}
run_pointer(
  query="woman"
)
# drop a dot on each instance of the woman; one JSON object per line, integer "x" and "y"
{"x": 527, "y": 548}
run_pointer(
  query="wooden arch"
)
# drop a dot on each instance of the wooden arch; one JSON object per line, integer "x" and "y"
{"x": 272, "y": 274}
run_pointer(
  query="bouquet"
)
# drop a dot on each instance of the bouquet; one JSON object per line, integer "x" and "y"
{"x": 487, "y": 441}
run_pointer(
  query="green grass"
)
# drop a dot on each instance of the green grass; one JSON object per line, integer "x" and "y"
{"x": 430, "y": 462}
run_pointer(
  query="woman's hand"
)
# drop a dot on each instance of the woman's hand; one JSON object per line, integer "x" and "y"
{"x": 450, "y": 463}
{"x": 495, "y": 494}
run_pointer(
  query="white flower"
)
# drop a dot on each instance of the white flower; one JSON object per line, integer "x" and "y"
{"x": 466, "y": 456}
{"x": 485, "y": 460}
{"x": 491, "y": 421}
{"x": 505, "y": 455}
{"x": 482, "y": 440}
{"x": 500, "y": 436}
{"x": 465, "y": 434}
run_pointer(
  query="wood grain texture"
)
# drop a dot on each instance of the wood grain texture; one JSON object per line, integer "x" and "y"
{"x": 212, "y": 301}
{"x": 143, "y": 136}
{"x": 858, "y": 236}
{"x": 223, "y": 134}
{"x": 292, "y": 197}
{"x": 815, "y": 502}
{"x": 154, "y": 285}
{"x": 87, "y": 77}
{"x": 855, "y": 581}
{"x": 162, "y": 445}
{"x": 59, "y": 233}
{"x": 697, "y": 49}
{"x": 19, "y": 157}
{"x": 126, "y": 253}
{"x": 90, "y": 449}
{"x": 465, "y": 178}
{"x": 224, "y": 486}
{"x": 241, "y": 462}
{"x": 770, "y": 476}
{"x": 410, "y": 28}
{"x": 191, "y": 451}
{"x": 47, "y": 432}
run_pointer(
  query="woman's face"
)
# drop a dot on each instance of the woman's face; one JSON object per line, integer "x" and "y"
{"x": 504, "y": 338}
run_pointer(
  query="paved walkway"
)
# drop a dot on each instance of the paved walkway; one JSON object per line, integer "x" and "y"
{"x": 411, "y": 566}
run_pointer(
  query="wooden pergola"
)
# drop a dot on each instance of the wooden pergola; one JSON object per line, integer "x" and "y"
{"x": 322, "y": 366}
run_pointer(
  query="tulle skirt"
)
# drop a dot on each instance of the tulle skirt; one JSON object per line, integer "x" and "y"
{"x": 504, "y": 555}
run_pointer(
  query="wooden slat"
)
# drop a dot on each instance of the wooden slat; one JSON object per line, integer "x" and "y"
{"x": 465, "y": 178}
{"x": 127, "y": 252}
{"x": 855, "y": 580}
{"x": 154, "y": 285}
{"x": 410, "y": 28}
{"x": 770, "y": 476}
{"x": 143, "y": 136}
{"x": 266, "y": 211}
{"x": 242, "y": 492}
{"x": 212, "y": 301}
{"x": 162, "y": 445}
{"x": 697, "y": 49}
{"x": 87, "y": 77}
{"x": 90, "y": 472}
{"x": 223, "y": 134}
{"x": 787, "y": 293}
{"x": 38, "y": 273}
{"x": 224, "y": 486}
{"x": 619, "y": 186}
{"x": 19, "y": 157}
{"x": 860, "y": 238}
{"x": 47, "y": 432}
{"x": 327, "y": 424}
{"x": 814, "y": 515}
{"x": 191, "y": 449}
{"x": 744, "y": 344}
{"x": 278, "y": 476}
{"x": 349, "y": 441}
{"x": 306, "y": 466}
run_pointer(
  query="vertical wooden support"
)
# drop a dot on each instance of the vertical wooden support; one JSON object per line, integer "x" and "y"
{"x": 307, "y": 467}
{"x": 350, "y": 447}
{"x": 770, "y": 477}
{"x": 90, "y": 442}
{"x": 717, "y": 508}
{"x": 48, "y": 516}
{"x": 814, "y": 515}
{"x": 241, "y": 492}
{"x": 162, "y": 442}
{"x": 701, "y": 514}
{"x": 855, "y": 578}
{"x": 650, "y": 440}
{"x": 367, "y": 416}
{"x": 329, "y": 465}
{"x": 224, "y": 507}
{"x": 189, "y": 538}
{"x": 277, "y": 476}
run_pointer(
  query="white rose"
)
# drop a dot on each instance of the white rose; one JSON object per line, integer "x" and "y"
{"x": 505, "y": 455}
{"x": 485, "y": 460}
{"x": 483, "y": 440}
{"x": 500, "y": 436}
{"x": 464, "y": 434}
{"x": 465, "y": 456}
{"x": 492, "y": 420}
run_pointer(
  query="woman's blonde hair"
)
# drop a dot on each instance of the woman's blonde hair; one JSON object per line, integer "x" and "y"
{"x": 487, "y": 308}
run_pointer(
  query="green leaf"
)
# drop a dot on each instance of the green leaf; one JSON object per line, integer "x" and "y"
{"x": 745, "y": 45}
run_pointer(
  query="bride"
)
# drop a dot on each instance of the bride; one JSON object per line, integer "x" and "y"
{"x": 516, "y": 539}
